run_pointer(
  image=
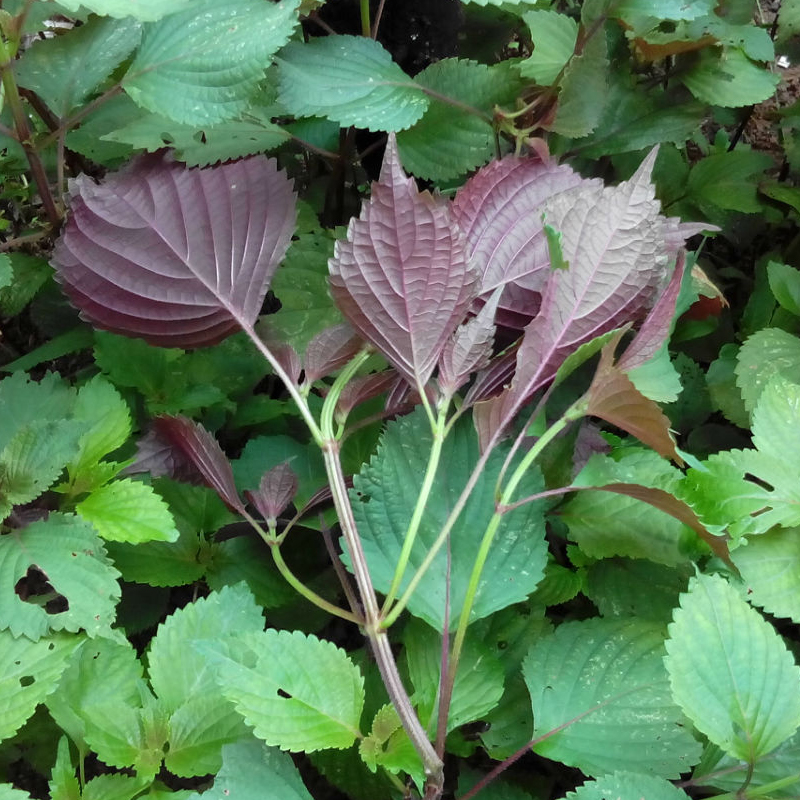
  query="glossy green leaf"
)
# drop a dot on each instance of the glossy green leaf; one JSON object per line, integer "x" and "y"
{"x": 29, "y": 273}
{"x": 351, "y": 80}
{"x": 72, "y": 558}
{"x": 785, "y": 284}
{"x": 384, "y": 496}
{"x": 128, "y": 511}
{"x": 722, "y": 389}
{"x": 663, "y": 9}
{"x": 765, "y": 354}
{"x": 177, "y": 671}
{"x": 770, "y": 569}
{"x": 29, "y": 672}
{"x": 553, "y": 35}
{"x": 788, "y": 19}
{"x": 145, "y": 10}
{"x": 729, "y": 79}
{"x": 100, "y": 405}
{"x": 102, "y": 675}
{"x": 65, "y": 71}
{"x": 627, "y": 786}
{"x": 249, "y": 769}
{"x": 8, "y": 792}
{"x": 174, "y": 75}
{"x": 741, "y": 688}
{"x": 388, "y": 746}
{"x": 463, "y": 96}
{"x": 601, "y": 700}
{"x": 296, "y": 692}
{"x": 33, "y": 459}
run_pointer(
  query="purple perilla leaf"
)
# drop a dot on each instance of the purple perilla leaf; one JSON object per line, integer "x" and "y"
{"x": 401, "y": 277}
{"x": 469, "y": 348}
{"x": 277, "y": 489}
{"x": 180, "y": 257}
{"x": 499, "y": 211}
{"x": 620, "y": 251}
{"x": 196, "y": 445}
{"x": 330, "y": 349}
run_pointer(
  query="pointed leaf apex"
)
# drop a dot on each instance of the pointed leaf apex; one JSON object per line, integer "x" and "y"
{"x": 277, "y": 489}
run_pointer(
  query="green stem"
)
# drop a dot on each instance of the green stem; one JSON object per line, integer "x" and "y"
{"x": 569, "y": 416}
{"x": 327, "y": 426}
{"x": 308, "y": 593}
{"x": 419, "y": 508}
{"x": 274, "y": 545}
{"x": 366, "y": 27}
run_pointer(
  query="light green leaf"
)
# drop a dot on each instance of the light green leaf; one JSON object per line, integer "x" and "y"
{"x": 728, "y": 180}
{"x": 63, "y": 780}
{"x": 553, "y": 35}
{"x": 128, "y": 511}
{"x": 23, "y": 401}
{"x": 64, "y": 71}
{"x": 622, "y": 525}
{"x": 144, "y": 10}
{"x": 177, "y": 671}
{"x": 8, "y": 792}
{"x": 384, "y": 496}
{"x": 663, "y": 9}
{"x": 100, "y": 405}
{"x": 351, "y": 80}
{"x": 741, "y": 688}
{"x": 729, "y": 79}
{"x": 388, "y": 746}
{"x": 186, "y": 70}
{"x": 601, "y": 700}
{"x": 6, "y": 271}
{"x": 296, "y": 692}
{"x": 750, "y": 491}
{"x": 465, "y": 122}
{"x": 770, "y": 569}
{"x": 582, "y": 96}
{"x": 478, "y": 685}
{"x": 198, "y": 730}
{"x": 765, "y": 354}
{"x": 34, "y": 458}
{"x": 99, "y": 677}
{"x": 114, "y": 787}
{"x": 657, "y": 378}
{"x": 785, "y": 284}
{"x": 627, "y": 786}
{"x": 251, "y": 770}
{"x": 68, "y": 552}
{"x": 29, "y": 672}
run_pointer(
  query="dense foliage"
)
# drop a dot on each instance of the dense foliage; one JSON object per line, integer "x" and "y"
{"x": 399, "y": 401}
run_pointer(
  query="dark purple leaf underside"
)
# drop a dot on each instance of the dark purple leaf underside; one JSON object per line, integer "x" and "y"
{"x": 277, "y": 489}
{"x": 656, "y": 328}
{"x": 620, "y": 251}
{"x": 401, "y": 277}
{"x": 202, "y": 450}
{"x": 499, "y": 212}
{"x": 179, "y": 257}
{"x": 365, "y": 388}
{"x": 329, "y": 350}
